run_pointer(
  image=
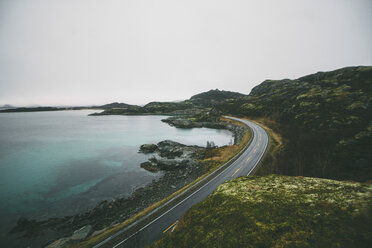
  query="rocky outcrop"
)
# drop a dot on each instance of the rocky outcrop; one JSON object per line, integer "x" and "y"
{"x": 171, "y": 155}
{"x": 148, "y": 148}
{"x": 82, "y": 233}
{"x": 79, "y": 234}
{"x": 170, "y": 149}
{"x": 179, "y": 122}
{"x": 149, "y": 166}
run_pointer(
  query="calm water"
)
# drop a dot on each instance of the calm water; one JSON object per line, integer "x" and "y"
{"x": 59, "y": 163}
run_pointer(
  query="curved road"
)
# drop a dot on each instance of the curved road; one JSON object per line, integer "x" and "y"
{"x": 147, "y": 230}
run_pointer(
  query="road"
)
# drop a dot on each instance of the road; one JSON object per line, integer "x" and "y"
{"x": 163, "y": 220}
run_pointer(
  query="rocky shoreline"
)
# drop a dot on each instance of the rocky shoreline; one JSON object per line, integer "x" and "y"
{"x": 180, "y": 165}
{"x": 209, "y": 122}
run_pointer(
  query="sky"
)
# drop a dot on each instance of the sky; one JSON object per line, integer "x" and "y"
{"x": 84, "y": 52}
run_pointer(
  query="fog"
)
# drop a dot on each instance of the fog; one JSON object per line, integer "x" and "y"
{"x": 82, "y": 52}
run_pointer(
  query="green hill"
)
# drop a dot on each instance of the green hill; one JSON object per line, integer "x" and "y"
{"x": 214, "y": 97}
{"x": 196, "y": 104}
{"x": 278, "y": 211}
{"x": 325, "y": 119}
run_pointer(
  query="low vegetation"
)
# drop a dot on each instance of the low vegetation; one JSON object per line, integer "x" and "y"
{"x": 199, "y": 103}
{"x": 325, "y": 120}
{"x": 278, "y": 211}
{"x": 220, "y": 155}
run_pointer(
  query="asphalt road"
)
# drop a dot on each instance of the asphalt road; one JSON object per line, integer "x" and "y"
{"x": 148, "y": 230}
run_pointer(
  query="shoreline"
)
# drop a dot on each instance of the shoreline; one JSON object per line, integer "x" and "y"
{"x": 104, "y": 214}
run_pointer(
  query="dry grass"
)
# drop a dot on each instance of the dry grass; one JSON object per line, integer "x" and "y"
{"x": 223, "y": 154}
{"x": 268, "y": 164}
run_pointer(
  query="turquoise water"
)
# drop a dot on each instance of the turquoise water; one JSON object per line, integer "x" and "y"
{"x": 63, "y": 162}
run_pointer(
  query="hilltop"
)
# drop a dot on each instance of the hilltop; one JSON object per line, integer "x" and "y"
{"x": 325, "y": 119}
{"x": 214, "y": 97}
{"x": 278, "y": 211}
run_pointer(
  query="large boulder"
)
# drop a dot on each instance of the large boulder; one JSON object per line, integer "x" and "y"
{"x": 148, "y": 148}
{"x": 169, "y": 164}
{"x": 170, "y": 149}
{"x": 82, "y": 233}
{"x": 149, "y": 166}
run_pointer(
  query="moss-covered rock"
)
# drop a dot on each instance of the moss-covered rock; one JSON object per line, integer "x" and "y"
{"x": 148, "y": 148}
{"x": 278, "y": 211}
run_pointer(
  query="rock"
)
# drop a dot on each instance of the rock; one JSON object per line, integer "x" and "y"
{"x": 149, "y": 166}
{"x": 238, "y": 131}
{"x": 148, "y": 148}
{"x": 171, "y": 152}
{"x": 170, "y": 149}
{"x": 60, "y": 243}
{"x": 180, "y": 123}
{"x": 170, "y": 143}
{"x": 82, "y": 233}
{"x": 167, "y": 164}
{"x": 174, "y": 156}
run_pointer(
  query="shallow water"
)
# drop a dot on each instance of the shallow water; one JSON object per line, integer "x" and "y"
{"x": 63, "y": 162}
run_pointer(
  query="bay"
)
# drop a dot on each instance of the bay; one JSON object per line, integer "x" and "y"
{"x": 64, "y": 162}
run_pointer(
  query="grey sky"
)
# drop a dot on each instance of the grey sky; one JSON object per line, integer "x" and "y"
{"x": 71, "y": 52}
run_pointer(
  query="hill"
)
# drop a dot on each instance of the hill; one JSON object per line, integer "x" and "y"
{"x": 196, "y": 104}
{"x": 214, "y": 97}
{"x": 325, "y": 119}
{"x": 111, "y": 106}
{"x": 278, "y": 211}
{"x": 116, "y": 105}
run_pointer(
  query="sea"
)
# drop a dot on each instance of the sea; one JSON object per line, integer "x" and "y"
{"x": 59, "y": 163}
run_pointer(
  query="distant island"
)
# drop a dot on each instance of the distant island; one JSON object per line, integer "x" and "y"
{"x": 196, "y": 104}
{"x": 9, "y": 108}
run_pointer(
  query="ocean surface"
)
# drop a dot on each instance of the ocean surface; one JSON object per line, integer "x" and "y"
{"x": 64, "y": 162}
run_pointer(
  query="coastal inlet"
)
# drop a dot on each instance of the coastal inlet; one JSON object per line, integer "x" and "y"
{"x": 69, "y": 162}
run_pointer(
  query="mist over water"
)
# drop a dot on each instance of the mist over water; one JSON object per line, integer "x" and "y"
{"x": 60, "y": 163}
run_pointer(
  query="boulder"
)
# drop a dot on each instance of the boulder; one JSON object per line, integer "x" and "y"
{"x": 82, "y": 233}
{"x": 149, "y": 166}
{"x": 148, "y": 148}
{"x": 170, "y": 149}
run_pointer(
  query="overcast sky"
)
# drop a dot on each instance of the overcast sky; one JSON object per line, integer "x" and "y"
{"x": 78, "y": 52}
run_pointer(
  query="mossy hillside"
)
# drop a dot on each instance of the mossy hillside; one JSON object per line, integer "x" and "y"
{"x": 278, "y": 211}
{"x": 326, "y": 118}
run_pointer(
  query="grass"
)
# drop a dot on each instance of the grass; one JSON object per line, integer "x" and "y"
{"x": 268, "y": 164}
{"x": 220, "y": 156}
{"x": 278, "y": 211}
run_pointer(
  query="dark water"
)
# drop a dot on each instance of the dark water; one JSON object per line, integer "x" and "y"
{"x": 60, "y": 163}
